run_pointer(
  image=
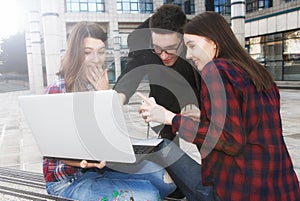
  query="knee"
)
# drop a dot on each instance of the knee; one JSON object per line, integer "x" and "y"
{"x": 147, "y": 191}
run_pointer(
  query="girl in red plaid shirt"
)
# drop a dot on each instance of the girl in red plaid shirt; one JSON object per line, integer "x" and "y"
{"x": 238, "y": 131}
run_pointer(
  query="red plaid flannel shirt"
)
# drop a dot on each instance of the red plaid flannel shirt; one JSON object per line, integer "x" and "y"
{"x": 53, "y": 169}
{"x": 249, "y": 160}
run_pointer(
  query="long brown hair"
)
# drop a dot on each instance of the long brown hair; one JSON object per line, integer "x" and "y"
{"x": 74, "y": 55}
{"x": 213, "y": 26}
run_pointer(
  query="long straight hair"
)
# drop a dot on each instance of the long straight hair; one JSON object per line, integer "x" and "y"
{"x": 74, "y": 55}
{"x": 213, "y": 26}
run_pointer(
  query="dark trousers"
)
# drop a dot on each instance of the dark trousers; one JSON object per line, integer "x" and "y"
{"x": 185, "y": 172}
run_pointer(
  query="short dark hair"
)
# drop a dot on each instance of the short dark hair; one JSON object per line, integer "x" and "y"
{"x": 168, "y": 17}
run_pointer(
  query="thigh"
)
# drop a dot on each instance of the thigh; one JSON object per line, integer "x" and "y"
{"x": 93, "y": 186}
{"x": 185, "y": 171}
{"x": 148, "y": 171}
{"x": 56, "y": 188}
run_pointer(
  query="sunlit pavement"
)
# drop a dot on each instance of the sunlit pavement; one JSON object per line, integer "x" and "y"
{"x": 18, "y": 148}
{"x": 11, "y": 85}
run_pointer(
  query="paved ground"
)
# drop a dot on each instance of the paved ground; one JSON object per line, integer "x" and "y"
{"x": 18, "y": 148}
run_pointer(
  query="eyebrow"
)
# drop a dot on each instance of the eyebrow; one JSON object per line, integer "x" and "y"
{"x": 91, "y": 48}
{"x": 170, "y": 46}
{"x": 188, "y": 42}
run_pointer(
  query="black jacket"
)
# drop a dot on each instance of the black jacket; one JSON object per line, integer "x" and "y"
{"x": 172, "y": 87}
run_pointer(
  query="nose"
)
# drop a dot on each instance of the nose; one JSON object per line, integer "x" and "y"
{"x": 188, "y": 54}
{"x": 96, "y": 57}
{"x": 164, "y": 55}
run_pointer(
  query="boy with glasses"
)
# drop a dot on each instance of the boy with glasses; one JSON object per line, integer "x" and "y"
{"x": 157, "y": 51}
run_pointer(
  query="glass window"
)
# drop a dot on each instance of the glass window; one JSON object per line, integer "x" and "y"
{"x": 255, "y": 5}
{"x": 220, "y": 6}
{"x": 123, "y": 40}
{"x": 291, "y": 54}
{"x": 92, "y": 7}
{"x": 100, "y": 7}
{"x": 75, "y": 7}
{"x": 188, "y": 6}
{"x": 279, "y": 53}
{"x": 135, "y": 6}
{"x": 119, "y": 6}
{"x": 126, "y": 6}
{"x": 85, "y": 6}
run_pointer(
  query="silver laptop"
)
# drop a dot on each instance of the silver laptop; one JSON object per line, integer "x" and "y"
{"x": 83, "y": 125}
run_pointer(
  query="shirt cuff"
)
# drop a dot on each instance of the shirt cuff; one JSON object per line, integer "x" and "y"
{"x": 176, "y": 121}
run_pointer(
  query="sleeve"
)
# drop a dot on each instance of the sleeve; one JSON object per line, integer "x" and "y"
{"x": 56, "y": 87}
{"x": 221, "y": 124}
{"x": 129, "y": 80}
{"x": 131, "y": 76}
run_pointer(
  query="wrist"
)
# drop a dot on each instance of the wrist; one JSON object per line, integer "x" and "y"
{"x": 169, "y": 117}
{"x": 83, "y": 164}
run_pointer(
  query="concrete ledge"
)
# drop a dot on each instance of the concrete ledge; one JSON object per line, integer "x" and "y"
{"x": 23, "y": 185}
{"x": 288, "y": 84}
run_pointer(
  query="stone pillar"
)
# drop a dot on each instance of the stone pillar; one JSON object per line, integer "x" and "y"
{"x": 199, "y": 6}
{"x": 50, "y": 19}
{"x": 116, "y": 49}
{"x": 33, "y": 49}
{"x": 238, "y": 20}
{"x": 113, "y": 35}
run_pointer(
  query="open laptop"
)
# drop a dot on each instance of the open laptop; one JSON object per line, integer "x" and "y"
{"x": 82, "y": 125}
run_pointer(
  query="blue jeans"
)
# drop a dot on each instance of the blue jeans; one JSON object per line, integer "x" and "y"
{"x": 185, "y": 172}
{"x": 108, "y": 184}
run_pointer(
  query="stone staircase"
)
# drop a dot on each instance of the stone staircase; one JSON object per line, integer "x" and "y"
{"x": 19, "y": 185}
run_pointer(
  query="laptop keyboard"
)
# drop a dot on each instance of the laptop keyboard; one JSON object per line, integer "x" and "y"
{"x": 139, "y": 149}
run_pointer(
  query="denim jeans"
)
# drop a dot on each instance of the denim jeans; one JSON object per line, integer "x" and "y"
{"x": 108, "y": 184}
{"x": 185, "y": 172}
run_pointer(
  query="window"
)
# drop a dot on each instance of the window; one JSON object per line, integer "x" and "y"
{"x": 188, "y": 6}
{"x": 85, "y": 6}
{"x": 255, "y": 5}
{"x": 219, "y": 6}
{"x": 135, "y": 6}
{"x": 123, "y": 40}
{"x": 278, "y": 52}
{"x": 291, "y": 55}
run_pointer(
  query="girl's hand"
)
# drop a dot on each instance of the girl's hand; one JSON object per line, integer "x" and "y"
{"x": 98, "y": 77}
{"x": 91, "y": 76}
{"x": 85, "y": 164}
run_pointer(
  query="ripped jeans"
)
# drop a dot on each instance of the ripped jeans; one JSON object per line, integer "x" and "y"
{"x": 108, "y": 184}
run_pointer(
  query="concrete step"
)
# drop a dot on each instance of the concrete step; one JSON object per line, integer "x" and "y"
{"x": 24, "y": 185}
{"x": 288, "y": 84}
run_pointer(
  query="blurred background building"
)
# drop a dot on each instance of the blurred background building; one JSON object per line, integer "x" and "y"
{"x": 269, "y": 30}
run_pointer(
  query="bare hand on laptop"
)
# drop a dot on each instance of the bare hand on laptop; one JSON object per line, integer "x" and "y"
{"x": 85, "y": 164}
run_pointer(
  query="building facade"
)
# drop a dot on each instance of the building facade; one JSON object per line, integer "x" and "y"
{"x": 269, "y": 30}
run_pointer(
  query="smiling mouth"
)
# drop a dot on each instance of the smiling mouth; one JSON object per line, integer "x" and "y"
{"x": 167, "y": 61}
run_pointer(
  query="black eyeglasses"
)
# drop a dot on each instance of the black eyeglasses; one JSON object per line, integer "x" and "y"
{"x": 159, "y": 51}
